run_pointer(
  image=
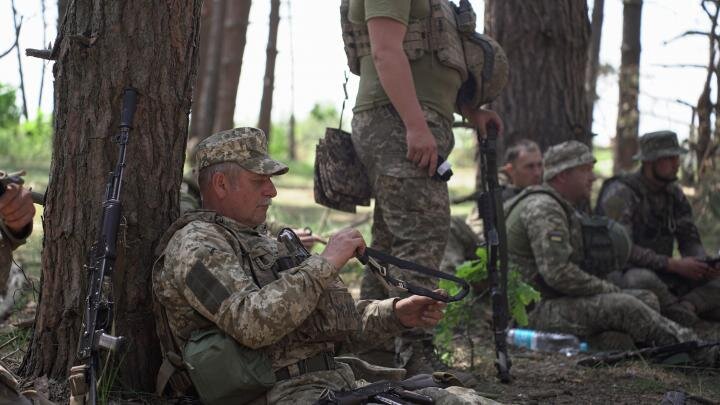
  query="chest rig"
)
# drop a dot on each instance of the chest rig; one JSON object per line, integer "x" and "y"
{"x": 438, "y": 33}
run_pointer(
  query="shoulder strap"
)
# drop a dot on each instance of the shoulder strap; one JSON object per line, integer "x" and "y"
{"x": 527, "y": 192}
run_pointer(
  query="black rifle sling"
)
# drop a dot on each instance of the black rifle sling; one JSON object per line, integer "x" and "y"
{"x": 382, "y": 271}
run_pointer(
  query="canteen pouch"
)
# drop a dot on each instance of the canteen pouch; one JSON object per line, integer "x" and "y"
{"x": 225, "y": 372}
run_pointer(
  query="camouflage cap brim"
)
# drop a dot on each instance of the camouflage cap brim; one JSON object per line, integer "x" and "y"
{"x": 264, "y": 165}
{"x": 676, "y": 151}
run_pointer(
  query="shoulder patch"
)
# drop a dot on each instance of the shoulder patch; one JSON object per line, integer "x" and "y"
{"x": 206, "y": 287}
{"x": 555, "y": 236}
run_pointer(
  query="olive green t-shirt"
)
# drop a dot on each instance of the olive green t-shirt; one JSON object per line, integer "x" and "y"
{"x": 436, "y": 85}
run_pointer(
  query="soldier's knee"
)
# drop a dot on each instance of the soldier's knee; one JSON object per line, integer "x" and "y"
{"x": 642, "y": 279}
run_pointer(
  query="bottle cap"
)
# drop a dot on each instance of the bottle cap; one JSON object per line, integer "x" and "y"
{"x": 583, "y": 346}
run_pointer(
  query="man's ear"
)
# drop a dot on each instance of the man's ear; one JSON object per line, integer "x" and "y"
{"x": 508, "y": 168}
{"x": 219, "y": 182}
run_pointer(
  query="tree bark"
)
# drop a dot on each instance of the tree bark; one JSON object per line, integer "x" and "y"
{"x": 269, "y": 80}
{"x": 151, "y": 46}
{"x": 234, "y": 39}
{"x": 206, "y": 101}
{"x": 546, "y": 43}
{"x": 205, "y": 24}
{"x": 591, "y": 73}
{"x": 628, "y": 119}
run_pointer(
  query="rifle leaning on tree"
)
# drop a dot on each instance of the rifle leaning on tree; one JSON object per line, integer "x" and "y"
{"x": 98, "y": 314}
{"x": 489, "y": 202}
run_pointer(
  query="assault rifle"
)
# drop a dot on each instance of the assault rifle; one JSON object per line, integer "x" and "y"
{"x": 16, "y": 178}
{"x": 490, "y": 206}
{"x": 98, "y": 313}
{"x": 658, "y": 352}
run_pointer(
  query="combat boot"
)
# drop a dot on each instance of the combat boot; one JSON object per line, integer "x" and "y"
{"x": 421, "y": 357}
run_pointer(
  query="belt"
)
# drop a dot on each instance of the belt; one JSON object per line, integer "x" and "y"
{"x": 320, "y": 362}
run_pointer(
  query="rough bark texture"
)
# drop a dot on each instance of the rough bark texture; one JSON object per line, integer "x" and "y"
{"x": 591, "y": 73}
{"x": 628, "y": 119}
{"x": 205, "y": 23}
{"x": 206, "y": 102}
{"x": 546, "y": 43}
{"x": 269, "y": 80}
{"x": 234, "y": 39}
{"x": 151, "y": 46}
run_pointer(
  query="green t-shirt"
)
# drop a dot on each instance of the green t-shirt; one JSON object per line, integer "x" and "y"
{"x": 436, "y": 85}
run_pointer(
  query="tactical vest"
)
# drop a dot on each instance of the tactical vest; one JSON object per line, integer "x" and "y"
{"x": 604, "y": 246}
{"x": 653, "y": 227}
{"x": 334, "y": 318}
{"x": 438, "y": 33}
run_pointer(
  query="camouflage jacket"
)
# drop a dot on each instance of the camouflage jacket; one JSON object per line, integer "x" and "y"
{"x": 656, "y": 218}
{"x": 544, "y": 238}
{"x": 214, "y": 271}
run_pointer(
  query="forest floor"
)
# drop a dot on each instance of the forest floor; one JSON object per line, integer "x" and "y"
{"x": 538, "y": 378}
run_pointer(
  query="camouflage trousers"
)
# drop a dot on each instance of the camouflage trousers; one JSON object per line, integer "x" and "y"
{"x": 412, "y": 211}
{"x": 669, "y": 289}
{"x": 308, "y": 388}
{"x": 619, "y": 312}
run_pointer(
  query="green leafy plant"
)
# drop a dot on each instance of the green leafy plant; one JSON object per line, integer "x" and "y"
{"x": 459, "y": 315}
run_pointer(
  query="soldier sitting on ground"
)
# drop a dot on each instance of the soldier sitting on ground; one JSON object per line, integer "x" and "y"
{"x": 655, "y": 210}
{"x": 546, "y": 242}
{"x": 242, "y": 318}
{"x": 16, "y": 216}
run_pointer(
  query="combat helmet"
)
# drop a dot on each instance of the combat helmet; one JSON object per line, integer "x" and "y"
{"x": 487, "y": 67}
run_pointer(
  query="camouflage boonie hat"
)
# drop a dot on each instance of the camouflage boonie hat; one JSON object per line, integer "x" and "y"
{"x": 245, "y": 146}
{"x": 656, "y": 145}
{"x": 566, "y": 155}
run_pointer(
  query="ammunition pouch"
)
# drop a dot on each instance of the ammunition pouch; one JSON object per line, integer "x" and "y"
{"x": 225, "y": 372}
{"x": 340, "y": 179}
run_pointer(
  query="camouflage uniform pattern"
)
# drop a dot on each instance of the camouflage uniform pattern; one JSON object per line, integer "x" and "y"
{"x": 205, "y": 276}
{"x": 8, "y": 243}
{"x": 657, "y": 219}
{"x": 246, "y": 146}
{"x": 545, "y": 242}
{"x": 412, "y": 211}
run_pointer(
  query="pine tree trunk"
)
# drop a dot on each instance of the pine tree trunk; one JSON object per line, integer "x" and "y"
{"x": 591, "y": 73}
{"x": 205, "y": 24}
{"x": 234, "y": 39}
{"x": 546, "y": 43}
{"x": 628, "y": 119}
{"x": 151, "y": 46}
{"x": 269, "y": 80}
{"x": 204, "y": 105}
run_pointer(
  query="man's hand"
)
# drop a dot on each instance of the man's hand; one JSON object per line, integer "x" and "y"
{"x": 422, "y": 148}
{"x": 689, "y": 267}
{"x": 480, "y": 118}
{"x": 307, "y": 238}
{"x": 343, "y": 246}
{"x": 16, "y": 208}
{"x": 418, "y": 311}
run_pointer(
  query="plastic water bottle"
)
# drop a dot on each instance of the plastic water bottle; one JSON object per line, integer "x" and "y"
{"x": 566, "y": 344}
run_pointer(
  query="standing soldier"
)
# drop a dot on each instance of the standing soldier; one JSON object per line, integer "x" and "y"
{"x": 655, "y": 210}
{"x": 402, "y": 126}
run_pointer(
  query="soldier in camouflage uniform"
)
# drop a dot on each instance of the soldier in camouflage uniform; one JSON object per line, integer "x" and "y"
{"x": 16, "y": 215}
{"x": 545, "y": 243}
{"x": 218, "y": 269}
{"x": 654, "y": 208}
{"x": 402, "y": 121}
